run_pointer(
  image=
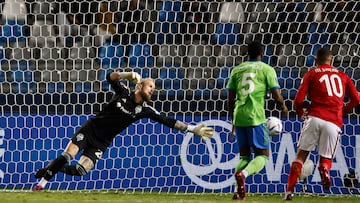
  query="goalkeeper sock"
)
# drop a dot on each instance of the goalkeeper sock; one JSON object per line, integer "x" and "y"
{"x": 55, "y": 165}
{"x": 255, "y": 165}
{"x": 294, "y": 174}
{"x": 73, "y": 170}
{"x": 244, "y": 160}
{"x": 42, "y": 182}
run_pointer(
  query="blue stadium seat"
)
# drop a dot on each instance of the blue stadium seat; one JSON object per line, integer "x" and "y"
{"x": 12, "y": 31}
{"x": 226, "y": 33}
{"x": 170, "y": 73}
{"x": 51, "y": 87}
{"x": 170, "y": 12}
{"x": 140, "y": 55}
{"x": 165, "y": 32}
{"x": 102, "y": 74}
{"x": 87, "y": 86}
{"x": 294, "y": 72}
{"x": 79, "y": 87}
{"x": 2, "y": 76}
{"x": 60, "y": 87}
{"x": 111, "y": 55}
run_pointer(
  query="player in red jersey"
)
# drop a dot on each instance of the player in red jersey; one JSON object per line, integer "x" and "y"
{"x": 325, "y": 87}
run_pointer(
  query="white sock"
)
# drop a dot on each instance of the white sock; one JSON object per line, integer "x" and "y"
{"x": 42, "y": 182}
{"x": 245, "y": 173}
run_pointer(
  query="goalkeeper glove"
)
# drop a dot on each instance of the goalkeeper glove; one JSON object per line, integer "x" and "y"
{"x": 201, "y": 130}
{"x": 131, "y": 76}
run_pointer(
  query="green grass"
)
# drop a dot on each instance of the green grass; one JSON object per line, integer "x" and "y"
{"x": 154, "y": 197}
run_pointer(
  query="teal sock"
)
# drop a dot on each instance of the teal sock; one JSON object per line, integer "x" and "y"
{"x": 244, "y": 160}
{"x": 256, "y": 164}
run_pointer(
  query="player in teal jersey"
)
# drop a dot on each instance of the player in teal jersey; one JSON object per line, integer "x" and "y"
{"x": 247, "y": 88}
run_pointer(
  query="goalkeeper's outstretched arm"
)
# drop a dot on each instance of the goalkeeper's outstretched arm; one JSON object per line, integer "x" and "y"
{"x": 200, "y": 129}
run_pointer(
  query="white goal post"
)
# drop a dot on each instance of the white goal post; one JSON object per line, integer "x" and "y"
{"x": 54, "y": 57}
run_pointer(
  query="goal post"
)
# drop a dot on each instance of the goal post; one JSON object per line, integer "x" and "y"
{"x": 52, "y": 79}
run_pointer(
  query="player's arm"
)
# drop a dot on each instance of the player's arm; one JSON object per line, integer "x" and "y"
{"x": 231, "y": 103}
{"x": 200, "y": 129}
{"x": 300, "y": 95}
{"x": 353, "y": 96}
{"x": 114, "y": 77}
{"x": 280, "y": 103}
{"x": 131, "y": 76}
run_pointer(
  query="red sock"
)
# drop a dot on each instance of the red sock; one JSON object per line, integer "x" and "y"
{"x": 327, "y": 163}
{"x": 294, "y": 174}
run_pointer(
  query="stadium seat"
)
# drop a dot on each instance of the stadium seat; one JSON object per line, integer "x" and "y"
{"x": 199, "y": 55}
{"x": 170, "y": 55}
{"x": 140, "y": 55}
{"x": 170, "y": 12}
{"x": 12, "y": 31}
{"x": 111, "y": 55}
{"x": 226, "y": 33}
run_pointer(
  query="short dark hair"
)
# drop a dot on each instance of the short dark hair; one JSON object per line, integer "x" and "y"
{"x": 322, "y": 55}
{"x": 255, "y": 49}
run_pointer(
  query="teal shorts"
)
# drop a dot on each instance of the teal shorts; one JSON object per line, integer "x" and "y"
{"x": 253, "y": 136}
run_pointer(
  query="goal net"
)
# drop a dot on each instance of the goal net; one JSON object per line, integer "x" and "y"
{"x": 55, "y": 54}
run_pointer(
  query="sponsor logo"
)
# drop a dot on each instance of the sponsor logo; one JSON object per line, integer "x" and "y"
{"x": 282, "y": 153}
{"x": 79, "y": 137}
{"x": 138, "y": 109}
{"x": 119, "y": 105}
{"x": 195, "y": 172}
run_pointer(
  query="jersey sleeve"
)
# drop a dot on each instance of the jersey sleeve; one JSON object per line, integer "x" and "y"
{"x": 352, "y": 94}
{"x": 301, "y": 94}
{"x": 271, "y": 79}
{"x": 117, "y": 85}
{"x": 161, "y": 118}
{"x": 232, "y": 83}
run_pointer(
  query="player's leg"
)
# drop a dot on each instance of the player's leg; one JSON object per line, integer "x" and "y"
{"x": 244, "y": 148}
{"x": 77, "y": 142}
{"x": 259, "y": 140}
{"x": 245, "y": 152}
{"x": 70, "y": 151}
{"x": 295, "y": 171}
{"x": 308, "y": 140}
{"x": 328, "y": 142}
{"x": 87, "y": 161}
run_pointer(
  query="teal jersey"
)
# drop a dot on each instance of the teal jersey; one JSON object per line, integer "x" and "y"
{"x": 251, "y": 80}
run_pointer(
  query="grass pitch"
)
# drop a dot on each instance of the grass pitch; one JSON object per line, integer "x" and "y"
{"x": 155, "y": 197}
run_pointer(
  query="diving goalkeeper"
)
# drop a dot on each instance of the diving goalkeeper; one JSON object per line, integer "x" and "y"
{"x": 96, "y": 134}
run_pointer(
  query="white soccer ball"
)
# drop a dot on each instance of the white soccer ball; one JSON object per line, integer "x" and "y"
{"x": 274, "y": 125}
{"x": 307, "y": 169}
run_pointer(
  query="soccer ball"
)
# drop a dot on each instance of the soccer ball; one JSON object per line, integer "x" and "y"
{"x": 274, "y": 125}
{"x": 307, "y": 169}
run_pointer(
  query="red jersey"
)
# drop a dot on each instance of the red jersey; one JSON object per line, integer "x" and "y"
{"x": 326, "y": 88}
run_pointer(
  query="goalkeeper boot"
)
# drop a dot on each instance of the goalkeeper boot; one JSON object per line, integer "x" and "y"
{"x": 37, "y": 188}
{"x": 240, "y": 180}
{"x": 325, "y": 177}
{"x": 41, "y": 172}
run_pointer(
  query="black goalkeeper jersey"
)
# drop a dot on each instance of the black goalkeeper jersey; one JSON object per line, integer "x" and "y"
{"x": 121, "y": 112}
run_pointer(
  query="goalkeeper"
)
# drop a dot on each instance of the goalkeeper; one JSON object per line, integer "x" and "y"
{"x": 96, "y": 134}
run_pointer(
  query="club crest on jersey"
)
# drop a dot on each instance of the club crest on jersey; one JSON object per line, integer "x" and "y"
{"x": 119, "y": 105}
{"x": 138, "y": 109}
{"x": 79, "y": 137}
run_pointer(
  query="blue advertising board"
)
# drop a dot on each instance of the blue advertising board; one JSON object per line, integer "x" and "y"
{"x": 150, "y": 156}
